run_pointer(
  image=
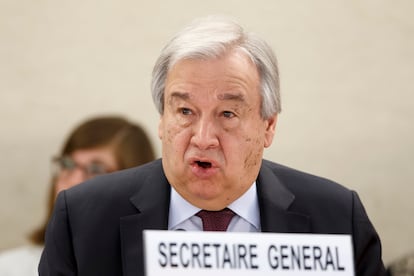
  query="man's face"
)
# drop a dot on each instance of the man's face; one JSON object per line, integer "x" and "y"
{"x": 212, "y": 133}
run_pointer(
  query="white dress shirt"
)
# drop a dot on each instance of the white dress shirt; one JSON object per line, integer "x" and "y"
{"x": 247, "y": 219}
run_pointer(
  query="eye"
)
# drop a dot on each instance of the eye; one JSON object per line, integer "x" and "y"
{"x": 67, "y": 163}
{"x": 96, "y": 169}
{"x": 228, "y": 114}
{"x": 185, "y": 111}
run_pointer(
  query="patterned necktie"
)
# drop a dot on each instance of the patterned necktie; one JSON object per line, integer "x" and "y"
{"x": 216, "y": 220}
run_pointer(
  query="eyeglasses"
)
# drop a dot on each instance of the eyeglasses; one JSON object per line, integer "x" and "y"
{"x": 67, "y": 164}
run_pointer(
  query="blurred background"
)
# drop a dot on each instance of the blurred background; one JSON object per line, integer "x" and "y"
{"x": 346, "y": 77}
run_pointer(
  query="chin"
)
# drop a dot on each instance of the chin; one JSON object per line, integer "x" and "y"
{"x": 205, "y": 192}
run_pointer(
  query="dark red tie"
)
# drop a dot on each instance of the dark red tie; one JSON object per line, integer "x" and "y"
{"x": 216, "y": 220}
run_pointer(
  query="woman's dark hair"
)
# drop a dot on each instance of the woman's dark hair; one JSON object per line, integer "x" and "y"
{"x": 129, "y": 142}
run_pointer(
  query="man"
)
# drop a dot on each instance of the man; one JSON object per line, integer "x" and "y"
{"x": 217, "y": 91}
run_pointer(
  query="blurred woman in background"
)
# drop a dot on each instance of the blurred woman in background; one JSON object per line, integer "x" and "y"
{"x": 97, "y": 146}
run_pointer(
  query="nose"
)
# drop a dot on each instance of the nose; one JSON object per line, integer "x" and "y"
{"x": 205, "y": 133}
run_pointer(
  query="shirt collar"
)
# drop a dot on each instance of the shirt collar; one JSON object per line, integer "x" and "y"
{"x": 180, "y": 209}
{"x": 246, "y": 206}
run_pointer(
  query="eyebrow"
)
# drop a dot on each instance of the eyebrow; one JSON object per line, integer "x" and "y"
{"x": 180, "y": 95}
{"x": 224, "y": 96}
{"x": 231, "y": 96}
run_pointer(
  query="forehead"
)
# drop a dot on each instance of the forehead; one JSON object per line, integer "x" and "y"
{"x": 229, "y": 75}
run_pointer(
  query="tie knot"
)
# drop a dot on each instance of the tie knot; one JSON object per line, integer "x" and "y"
{"x": 216, "y": 220}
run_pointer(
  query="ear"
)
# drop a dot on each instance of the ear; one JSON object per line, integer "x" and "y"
{"x": 270, "y": 125}
{"x": 160, "y": 128}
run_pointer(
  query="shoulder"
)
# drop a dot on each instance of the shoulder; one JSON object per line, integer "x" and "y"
{"x": 312, "y": 194}
{"x": 297, "y": 180}
{"x": 109, "y": 192}
{"x": 118, "y": 183}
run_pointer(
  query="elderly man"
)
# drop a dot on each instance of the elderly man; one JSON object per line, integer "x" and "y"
{"x": 216, "y": 88}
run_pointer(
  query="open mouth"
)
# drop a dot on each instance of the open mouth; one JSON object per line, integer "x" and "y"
{"x": 204, "y": 165}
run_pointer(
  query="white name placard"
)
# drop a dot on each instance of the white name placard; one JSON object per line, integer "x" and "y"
{"x": 224, "y": 253}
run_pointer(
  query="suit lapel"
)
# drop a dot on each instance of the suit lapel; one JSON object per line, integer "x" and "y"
{"x": 274, "y": 202}
{"x": 152, "y": 204}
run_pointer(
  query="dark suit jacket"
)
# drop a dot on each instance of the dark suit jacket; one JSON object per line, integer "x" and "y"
{"x": 96, "y": 227}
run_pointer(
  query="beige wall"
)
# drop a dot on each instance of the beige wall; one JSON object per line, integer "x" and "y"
{"x": 346, "y": 72}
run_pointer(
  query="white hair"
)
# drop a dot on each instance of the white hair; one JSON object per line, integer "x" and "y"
{"x": 212, "y": 37}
